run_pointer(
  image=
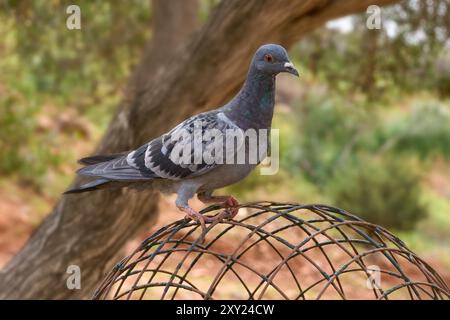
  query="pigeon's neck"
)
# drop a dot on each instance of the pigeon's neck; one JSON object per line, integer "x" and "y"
{"x": 253, "y": 105}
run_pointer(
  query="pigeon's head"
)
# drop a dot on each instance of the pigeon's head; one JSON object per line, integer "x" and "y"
{"x": 273, "y": 59}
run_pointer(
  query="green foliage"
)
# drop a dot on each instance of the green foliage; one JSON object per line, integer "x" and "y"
{"x": 400, "y": 56}
{"x": 383, "y": 192}
{"x": 75, "y": 62}
{"x": 425, "y": 131}
{"x": 14, "y": 116}
{"x": 21, "y": 151}
{"x": 46, "y": 65}
{"x": 442, "y": 73}
{"x": 329, "y": 129}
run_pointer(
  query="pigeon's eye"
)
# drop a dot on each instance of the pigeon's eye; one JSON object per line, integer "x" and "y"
{"x": 268, "y": 58}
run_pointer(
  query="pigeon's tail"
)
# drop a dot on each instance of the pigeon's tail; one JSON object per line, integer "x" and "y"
{"x": 90, "y": 186}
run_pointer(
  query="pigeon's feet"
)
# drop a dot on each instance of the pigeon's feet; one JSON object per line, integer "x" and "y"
{"x": 229, "y": 203}
{"x": 196, "y": 216}
{"x": 231, "y": 207}
{"x": 203, "y": 220}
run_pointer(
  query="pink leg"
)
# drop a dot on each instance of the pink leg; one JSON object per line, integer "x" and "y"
{"x": 194, "y": 215}
{"x": 203, "y": 220}
{"x": 230, "y": 203}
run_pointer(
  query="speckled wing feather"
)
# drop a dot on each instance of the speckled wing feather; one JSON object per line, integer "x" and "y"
{"x": 175, "y": 155}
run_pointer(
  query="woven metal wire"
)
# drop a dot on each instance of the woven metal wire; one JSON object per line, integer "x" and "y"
{"x": 275, "y": 251}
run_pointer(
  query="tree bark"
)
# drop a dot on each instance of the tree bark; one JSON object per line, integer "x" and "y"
{"x": 89, "y": 229}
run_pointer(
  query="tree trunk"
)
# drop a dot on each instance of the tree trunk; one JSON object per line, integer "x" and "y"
{"x": 89, "y": 229}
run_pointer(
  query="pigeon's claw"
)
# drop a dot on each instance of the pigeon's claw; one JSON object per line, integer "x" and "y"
{"x": 196, "y": 216}
{"x": 231, "y": 207}
{"x": 203, "y": 220}
{"x": 228, "y": 202}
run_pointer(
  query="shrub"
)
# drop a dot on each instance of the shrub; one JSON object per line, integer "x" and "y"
{"x": 329, "y": 131}
{"x": 382, "y": 192}
{"x": 424, "y": 132}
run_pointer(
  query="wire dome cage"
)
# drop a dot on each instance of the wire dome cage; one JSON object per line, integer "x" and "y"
{"x": 274, "y": 251}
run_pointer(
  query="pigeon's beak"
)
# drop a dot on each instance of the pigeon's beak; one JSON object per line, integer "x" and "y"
{"x": 289, "y": 68}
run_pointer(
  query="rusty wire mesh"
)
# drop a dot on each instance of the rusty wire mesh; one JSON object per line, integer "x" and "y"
{"x": 275, "y": 251}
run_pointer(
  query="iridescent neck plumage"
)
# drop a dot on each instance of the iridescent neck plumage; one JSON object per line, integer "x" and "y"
{"x": 253, "y": 105}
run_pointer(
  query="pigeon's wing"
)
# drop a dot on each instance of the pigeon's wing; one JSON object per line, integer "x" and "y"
{"x": 190, "y": 149}
{"x": 175, "y": 155}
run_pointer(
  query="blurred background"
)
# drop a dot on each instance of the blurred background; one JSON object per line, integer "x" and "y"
{"x": 365, "y": 128}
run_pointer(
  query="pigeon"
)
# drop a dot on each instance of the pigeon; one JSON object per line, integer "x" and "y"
{"x": 171, "y": 163}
